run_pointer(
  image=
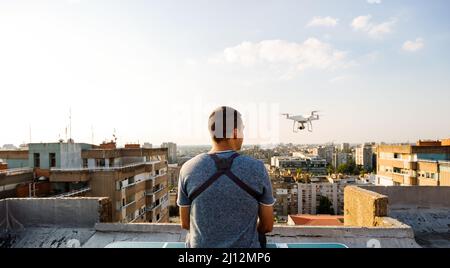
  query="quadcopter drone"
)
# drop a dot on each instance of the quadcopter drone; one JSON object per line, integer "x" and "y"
{"x": 301, "y": 122}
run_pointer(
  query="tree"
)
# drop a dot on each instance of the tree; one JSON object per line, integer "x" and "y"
{"x": 325, "y": 206}
{"x": 330, "y": 169}
{"x": 349, "y": 168}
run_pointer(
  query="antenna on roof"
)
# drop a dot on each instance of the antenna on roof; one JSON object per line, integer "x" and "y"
{"x": 115, "y": 136}
{"x": 92, "y": 132}
{"x": 70, "y": 123}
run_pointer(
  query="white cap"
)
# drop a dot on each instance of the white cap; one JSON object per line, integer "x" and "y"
{"x": 223, "y": 121}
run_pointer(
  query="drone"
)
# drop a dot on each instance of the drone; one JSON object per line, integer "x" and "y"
{"x": 302, "y": 122}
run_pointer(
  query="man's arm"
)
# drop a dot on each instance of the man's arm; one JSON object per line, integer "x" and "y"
{"x": 265, "y": 224}
{"x": 185, "y": 217}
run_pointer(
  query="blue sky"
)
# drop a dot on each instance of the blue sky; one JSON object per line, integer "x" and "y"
{"x": 152, "y": 70}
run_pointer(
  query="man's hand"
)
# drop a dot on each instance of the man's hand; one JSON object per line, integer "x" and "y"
{"x": 265, "y": 224}
{"x": 185, "y": 217}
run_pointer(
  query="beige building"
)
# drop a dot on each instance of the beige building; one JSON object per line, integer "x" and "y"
{"x": 288, "y": 201}
{"x": 135, "y": 180}
{"x": 425, "y": 164}
{"x": 364, "y": 156}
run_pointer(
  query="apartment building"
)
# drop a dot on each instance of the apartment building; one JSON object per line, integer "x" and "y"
{"x": 340, "y": 158}
{"x": 344, "y": 147}
{"x": 309, "y": 196}
{"x": 424, "y": 164}
{"x": 325, "y": 152}
{"x": 292, "y": 197}
{"x": 364, "y": 156}
{"x": 172, "y": 151}
{"x": 309, "y": 164}
{"x": 135, "y": 179}
{"x": 173, "y": 173}
{"x": 285, "y": 194}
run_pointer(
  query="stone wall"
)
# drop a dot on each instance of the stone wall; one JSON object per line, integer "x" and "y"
{"x": 364, "y": 208}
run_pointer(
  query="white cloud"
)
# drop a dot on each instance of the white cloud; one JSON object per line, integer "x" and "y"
{"x": 290, "y": 56}
{"x": 361, "y": 22}
{"x": 413, "y": 46}
{"x": 323, "y": 21}
{"x": 374, "y": 30}
{"x": 374, "y": 1}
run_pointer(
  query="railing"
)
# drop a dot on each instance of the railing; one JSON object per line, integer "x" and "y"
{"x": 105, "y": 168}
{"x": 127, "y": 205}
{"x": 15, "y": 171}
{"x": 144, "y": 180}
{"x": 68, "y": 194}
{"x": 159, "y": 190}
{"x": 140, "y": 215}
{"x": 433, "y": 161}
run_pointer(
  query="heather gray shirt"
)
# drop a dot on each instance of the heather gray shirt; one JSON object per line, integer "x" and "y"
{"x": 224, "y": 215}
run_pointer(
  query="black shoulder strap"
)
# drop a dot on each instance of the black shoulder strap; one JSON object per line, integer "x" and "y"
{"x": 223, "y": 166}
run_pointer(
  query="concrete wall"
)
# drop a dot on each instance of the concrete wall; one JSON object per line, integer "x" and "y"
{"x": 63, "y": 212}
{"x": 17, "y": 163}
{"x": 364, "y": 208}
{"x": 414, "y": 196}
{"x": 68, "y": 155}
{"x": 353, "y": 237}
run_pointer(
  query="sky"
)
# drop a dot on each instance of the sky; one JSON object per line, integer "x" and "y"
{"x": 152, "y": 71}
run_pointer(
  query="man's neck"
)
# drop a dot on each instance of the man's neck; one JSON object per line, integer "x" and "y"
{"x": 221, "y": 147}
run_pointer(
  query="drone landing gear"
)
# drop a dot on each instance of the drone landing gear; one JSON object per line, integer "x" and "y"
{"x": 301, "y": 126}
{"x": 298, "y": 126}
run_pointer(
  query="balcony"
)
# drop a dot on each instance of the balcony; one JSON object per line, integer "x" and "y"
{"x": 161, "y": 192}
{"x": 398, "y": 163}
{"x": 73, "y": 193}
{"x": 98, "y": 169}
{"x": 428, "y": 182}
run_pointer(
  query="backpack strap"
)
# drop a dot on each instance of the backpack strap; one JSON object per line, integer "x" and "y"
{"x": 223, "y": 166}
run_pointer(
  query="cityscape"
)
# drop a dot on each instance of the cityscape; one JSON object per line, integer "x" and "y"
{"x": 338, "y": 110}
{"x": 138, "y": 182}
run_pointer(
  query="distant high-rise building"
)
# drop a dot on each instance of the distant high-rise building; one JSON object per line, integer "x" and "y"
{"x": 9, "y": 147}
{"x": 340, "y": 158}
{"x": 325, "y": 152}
{"x": 364, "y": 156}
{"x": 314, "y": 165}
{"x": 345, "y": 147}
{"x": 147, "y": 145}
{"x": 172, "y": 147}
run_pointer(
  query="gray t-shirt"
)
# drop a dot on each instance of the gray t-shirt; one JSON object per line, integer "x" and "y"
{"x": 224, "y": 215}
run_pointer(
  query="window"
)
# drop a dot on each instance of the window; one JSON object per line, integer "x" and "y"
{"x": 85, "y": 163}
{"x": 157, "y": 217}
{"x": 52, "y": 159}
{"x": 37, "y": 160}
{"x": 100, "y": 162}
{"x": 111, "y": 162}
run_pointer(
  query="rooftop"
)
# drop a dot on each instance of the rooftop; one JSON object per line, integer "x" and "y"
{"x": 316, "y": 220}
{"x": 416, "y": 216}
